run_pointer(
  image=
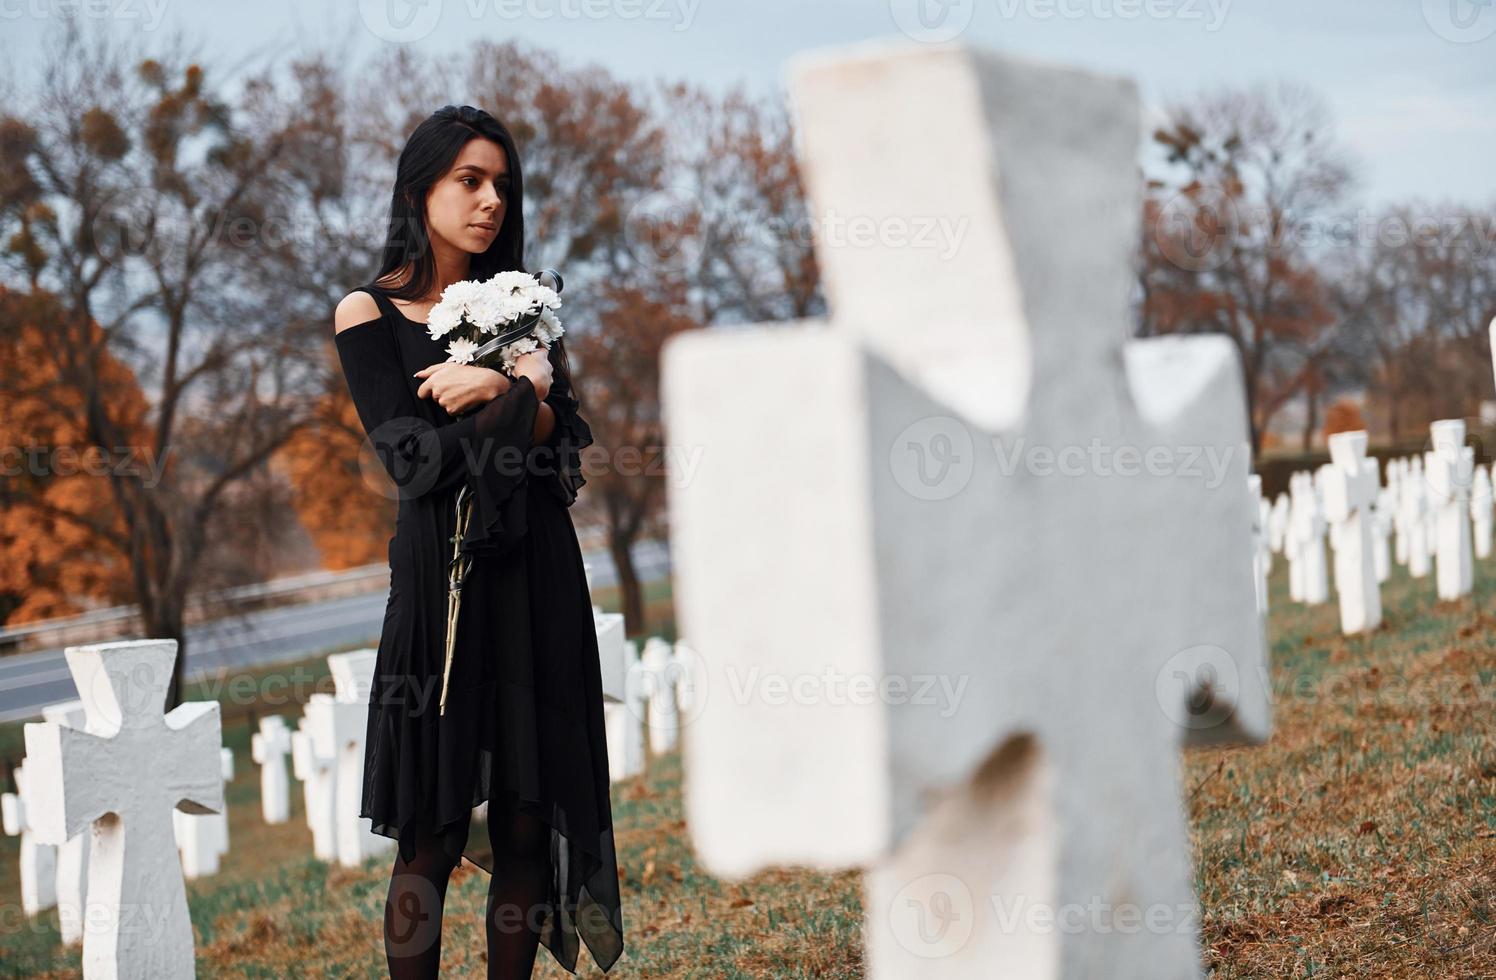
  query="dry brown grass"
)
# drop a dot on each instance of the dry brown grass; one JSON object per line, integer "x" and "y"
{"x": 1360, "y": 842}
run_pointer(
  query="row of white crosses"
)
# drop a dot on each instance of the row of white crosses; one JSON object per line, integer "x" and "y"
{"x": 1438, "y": 507}
{"x": 91, "y": 750}
{"x": 1093, "y": 622}
{"x": 118, "y": 768}
{"x": 327, "y": 756}
{"x": 644, "y": 697}
{"x": 51, "y": 876}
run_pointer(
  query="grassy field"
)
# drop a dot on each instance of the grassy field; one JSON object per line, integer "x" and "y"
{"x": 1360, "y": 842}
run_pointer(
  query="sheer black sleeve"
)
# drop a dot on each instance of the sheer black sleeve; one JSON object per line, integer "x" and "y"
{"x": 486, "y": 449}
{"x": 570, "y": 436}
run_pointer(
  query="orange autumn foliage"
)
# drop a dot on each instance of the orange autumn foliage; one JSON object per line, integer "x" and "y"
{"x": 63, "y": 543}
{"x": 337, "y": 500}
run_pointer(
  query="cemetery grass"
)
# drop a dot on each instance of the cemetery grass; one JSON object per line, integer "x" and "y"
{"x": 1360, "y": 842}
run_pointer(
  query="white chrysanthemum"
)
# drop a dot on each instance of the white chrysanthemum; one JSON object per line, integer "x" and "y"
{"x": 513, "y": 279}
{"x": 514, "y": 306}
{"x": 486, "y": 311}
{"x": 442, "y": 320}
{"x": 513, "y": 352}
{"x": 549, "y": 327}
{"x": 544, "y": 295}
{"x": 461, "y": 292}
{"x": 461, "y": 350}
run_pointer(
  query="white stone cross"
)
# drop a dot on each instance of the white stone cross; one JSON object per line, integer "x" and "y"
{"x": 1278, "y": 523}
{"x": 1307, "y": 528}
{"x": 1309, "y": 531}
{"x": 269, "y": 747}
{"x": 611, "y": 662}
{"x": 1383, "y": 517}
{"x": 1415, "y": 511}
{"x": 338, "y": 727}
{"x": 625, "y": 720}
{"x": 1449, "y": 470}
{"x": 1394, "y": 506}
{"x": 203, "y": 839}
{"x": 1262, "y": 552}
{"x": 38, "y": 861}
{"x": 1481, "y": 512}
{"x": 319, "y": 785}
{"x": 659, "y": 676}
{"x": 72, "y": 857}
{"x": 1351, "y": 487}
{"x": 123, "y": 775}
{"x": 922, "y": 648}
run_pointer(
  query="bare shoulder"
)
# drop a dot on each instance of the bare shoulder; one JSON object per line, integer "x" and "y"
{"x": 355, "y": 308}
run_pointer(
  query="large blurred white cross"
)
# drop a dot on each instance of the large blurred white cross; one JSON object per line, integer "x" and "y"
{"x": 962, "y": 567}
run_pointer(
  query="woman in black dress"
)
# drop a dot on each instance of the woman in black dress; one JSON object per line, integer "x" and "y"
{"x": 523, "y": 726}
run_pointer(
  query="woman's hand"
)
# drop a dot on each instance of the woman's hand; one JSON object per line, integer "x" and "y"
{"x": 536, "y": 365}
{"x": 459, "y": 387}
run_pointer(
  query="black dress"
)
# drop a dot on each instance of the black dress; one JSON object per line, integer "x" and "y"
{"x": 524, "y": 715}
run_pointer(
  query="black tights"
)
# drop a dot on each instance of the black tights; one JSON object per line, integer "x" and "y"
{"x": 516, "y": 893}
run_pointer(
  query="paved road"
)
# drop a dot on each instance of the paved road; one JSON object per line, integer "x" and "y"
{"x": 28, "y": 681}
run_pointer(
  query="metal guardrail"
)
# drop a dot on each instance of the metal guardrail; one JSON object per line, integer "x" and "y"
{"x": 14, "y": 638}
{"x": 98, "y": 625}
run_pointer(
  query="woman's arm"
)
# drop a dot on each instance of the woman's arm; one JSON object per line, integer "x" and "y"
{"x": 545, "y": 423}
{"x": 419, "y": 457}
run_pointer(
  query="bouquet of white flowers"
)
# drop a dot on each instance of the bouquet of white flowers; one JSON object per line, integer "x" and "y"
{"x": 491, "y": 324}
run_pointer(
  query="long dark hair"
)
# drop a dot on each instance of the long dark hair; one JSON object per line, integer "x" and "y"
{"x": 429, "y": 152}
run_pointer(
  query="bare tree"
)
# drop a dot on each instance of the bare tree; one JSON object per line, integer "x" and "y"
{"x": 1247, "y": 173}
{"x": 139, "y": 201}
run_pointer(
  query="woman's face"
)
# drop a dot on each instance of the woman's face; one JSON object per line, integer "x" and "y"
{"x": 465, "y": 207}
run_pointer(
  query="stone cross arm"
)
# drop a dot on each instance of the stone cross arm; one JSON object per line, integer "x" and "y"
{"x": 130, "y": 756}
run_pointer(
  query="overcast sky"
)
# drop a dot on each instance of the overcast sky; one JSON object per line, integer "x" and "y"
{"x": 1412, "y": 82}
